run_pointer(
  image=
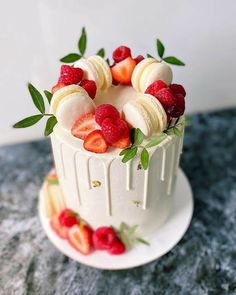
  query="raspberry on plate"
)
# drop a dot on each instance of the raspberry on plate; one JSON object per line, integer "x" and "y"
{"x": 122, "y": 71}
{"x": 121, "y": 53}
{"x": 155, "y": 87}
{"x": 178, "y": 89}
{"x": 90, "y": 87}
{"x": 68, "y": 218}
{"x": 106, "y": 111}
{"x": 117, "y": 248}
{"x": 83, "y": 126}
{"x": 70, "y": 75}
{"x": 114, "y": 130}
{"x": 103, "y": 238}
{"x": 60, "y": 230}
{"x": 95, "y": 142}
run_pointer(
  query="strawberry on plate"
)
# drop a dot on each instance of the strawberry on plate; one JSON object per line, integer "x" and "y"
{"x": 60, "y": 230}
{"x": 95, "y": 142}
{"x": 83, "y": 126}
{"x": 117, "y": 248}
{"x": 122, "y": 71}
{"x": 80, "y": 238}
{"x": 103, "y": 238}
{"x": 68, "y": 218}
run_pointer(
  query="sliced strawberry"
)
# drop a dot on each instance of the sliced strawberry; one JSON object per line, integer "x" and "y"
{"x": 121, "y": 53}
{"x": 138, "y": 59}
{"x": 103, "y": 238}
{"x": 60, "y": 230}
{"x": 95, "y": 142}
{"x": 68, "y": 218}
{"x": 122, "y": 143}
{"x": 90, "y": 87}
{"x": 83, "y": 126}
{"x": 70, "y": 75}
{"x": 116, "y": 248}
{"x": 57, "y": 87}
{"x": 123, "y": 70}
{"x": 80, "y": 237}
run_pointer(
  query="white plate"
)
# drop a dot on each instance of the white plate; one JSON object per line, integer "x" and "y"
{"x": 161, "y": 241}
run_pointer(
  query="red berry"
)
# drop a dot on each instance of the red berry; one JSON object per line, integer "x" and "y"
{"x": 138, "y": 59}
{"x": 90, "y": 87}
{"x": 80, "y": 237}
{"x": 70, "y": 75}
{"x": 121, "y": 53}
{"x": 95, "y": 142}
{"x": 123, "y": 142}
{"x": 83, "y": 126}
{"x": 106, "y": 111}
{"x": 57, "y": 87}
{"x": 68, "y": 218}
{"x": 60, "y": 230}
{"x": 155, "y": 87}
{"x": 122, "y": 71}
{"x": 103, "y": 238}
{"x": 167, "y": 99}
{"x": 114, "y": 130}
{"x": 179, "y": 107}
{"x": 117, "y": 248}
{"x": 178, "y": 89}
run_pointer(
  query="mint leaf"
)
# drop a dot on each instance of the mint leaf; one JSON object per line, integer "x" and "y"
{"x": 123, "y": 152}
{"x": 144, "y": 158}
{"x": 138, "y": 136}
{"x": 37, "y": 98}
{"x": 108, "y": 61}
{"x": 155, "y": 141}
{"x": 132, "y": 229}
{"x": 29, "y": 121}
{"x": 149, "y": 55}
{"x": 160, "y": 48}
{"x": 48, "y": 94}
{"x": 173, "y": 60}
{"x": 140, "y": 240}
{"x": 101, "y": 52}
{"x": 170, "y": 131}
{"x": 177, "y": 132}
{"x": 73, "y": 214}
{"x": 71, "y": 57}
{"x": 130, "y": 153}
{"x": 51, "y": 122}
{"x": 82, "y": 42}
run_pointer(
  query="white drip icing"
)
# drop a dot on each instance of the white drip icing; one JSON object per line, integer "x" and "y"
{"x": 128, "y": 175}
{"x": 88, "y": 172}
{"x": 179, "y": 152}
{"x": 171, "y": 174}
{"x": 145, "y": 189}
{"x": 76, "y": 178}
{"x": 106, "y": 165}
{"x": 62, "y": 160}
{"x": 163, "y": 163}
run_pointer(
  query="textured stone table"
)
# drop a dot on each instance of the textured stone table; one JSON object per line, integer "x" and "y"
{"x": 204, "y": 262}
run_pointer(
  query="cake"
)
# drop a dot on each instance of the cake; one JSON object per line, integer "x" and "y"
{"x": 117, "y": 136}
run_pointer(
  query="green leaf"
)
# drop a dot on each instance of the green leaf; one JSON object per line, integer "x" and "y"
{"x": 37, "y": 98}
{"x": 138, "y": 136}
{"x": 123, "y": 227}
{"x": 149, "y": 55}
{"x": 132, "y": 229}
{"x": 29, "y": 121}
{"x": 52, "y": 181}
{"x": 48, "y": 94}
{"x": 101, "y": 52}
{"x": 144, "y": 158}
{"x": 155, "y": 141}
{"x": 170, "y": 131}
{"x": 71, "y": 57}
{"x": 82, "y": 42}
{"x": 108, "y": 61}
{"x": 140, "y": 240}
{"x": 173, "y": 60}
{"x": 73, "y": 214}
{"x": 51, "y": 122}
{"x": 160, "y": 48}
{"x": 131, "y": 153}
{"x": 177, "y": 132}
{"x": 123, "y": 152}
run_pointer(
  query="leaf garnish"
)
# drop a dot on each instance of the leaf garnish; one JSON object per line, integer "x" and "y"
{"x": 160, "y": 48}
{"x": 149, "y": 55}
{"x": 71, "y": 57}
{"x": 130, "y": 154}
{"x": 37, "y": 98}
{"x": 27, "y": 122}
{"x": 82, "y": 42}
{"x": 127, "y": 234}
{"x": 51, "y": 122}
{"x": 101, "y": 52}
{"x": 138, "y": 136}
{"x": 156, "y": 140}
{"x": 173, "y": 60}
{"x": 141, "y": 240}
{"x": 144, "y": 158}
{"x": 48, "y": 94}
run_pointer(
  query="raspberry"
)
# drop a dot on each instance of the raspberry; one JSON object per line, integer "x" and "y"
{"x": 155, "y": 87}
{"x": 103, "y": 238}
{"x": 138, "y": 59}
{"x": 178, "y": 89}
{"x": 179, "y": 107}
{"x": 117, "y": 248}
{"x": 167, "y": 99}
{"x": 67, "y": 218}
{"x": 121, "y": 53}
{"x": 114, "y": 130}
{"x": 106, "y": 111}
{"x": 90, "y": 87}
{"x": 70, "y": 75}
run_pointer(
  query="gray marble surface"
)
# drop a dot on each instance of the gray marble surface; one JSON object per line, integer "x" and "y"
{"x": 204, "y": 262}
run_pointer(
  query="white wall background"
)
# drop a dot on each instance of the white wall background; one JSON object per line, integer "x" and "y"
{"x": 35, "y": 34}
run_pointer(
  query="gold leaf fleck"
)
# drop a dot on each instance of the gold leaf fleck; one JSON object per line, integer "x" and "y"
{"x": 136, "y": 203}
{"x": 96, "y": 183}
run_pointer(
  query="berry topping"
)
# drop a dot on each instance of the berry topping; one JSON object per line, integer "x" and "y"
{"x": 83, "y": 126}
{"x": 138, "y": 59}
{"x": 80, "y": 237}
{"x": 122, "y": 71}
{"x": 60, "y": 230}
{"x": 117, "y": 248}
{"x": 70, "y": 75}
{"x": 114, "y": 130}
{"x": 95, "y": 142}
{"x": 123, "y": 142}
{"x": 179, "y": 107}
{"x": 155, "y": 87}
{"x": 106, "y": 111}
{"x": 90, "y": 87}
{"x": 178, "y": 89}
{"x": 57, "y": 87}
{"x": 121, "y": 53}
{"x": 167, "y": 99}
{"x": 103, "y": 238}
{"x": 68, "y": 218}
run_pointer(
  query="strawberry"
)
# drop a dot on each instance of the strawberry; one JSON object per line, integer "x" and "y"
{"x": 95, "y": 142}
{"x": 70, "y": 75}
{"x": 60, "y": 230}
{"x": 178, "y": 89}
{"x": 138, "y": 59}
{"x": 83, "y": 126}
{"x": 103, "y": 238}
{"x": 117, "y": 248}
{"x": 106, "y": 111}
{"x": 90, "y": 87}
{"x": 155, "y": 87}
{"x": 80, "y": 237}
{"x": 122, "y": 71}
{"x": 113, "y": 130}
{"x": 123, "y": 142}
{"x": 68, "y": 218}
{"x": 121, "y": 53}
{"x": 57, "y": 87}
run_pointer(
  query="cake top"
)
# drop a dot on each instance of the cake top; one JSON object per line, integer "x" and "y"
{"x": 130, "y": 104}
